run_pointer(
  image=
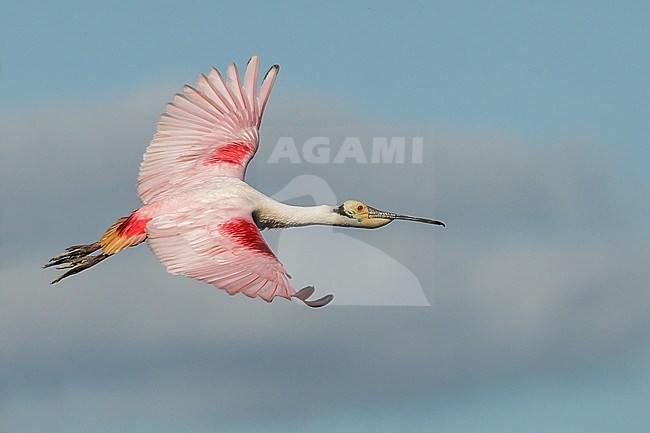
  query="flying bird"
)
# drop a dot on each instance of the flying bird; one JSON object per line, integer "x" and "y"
{"x": 199, "y": 216}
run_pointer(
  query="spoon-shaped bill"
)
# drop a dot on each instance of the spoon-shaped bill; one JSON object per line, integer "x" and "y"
{"x": 376, "y": 213}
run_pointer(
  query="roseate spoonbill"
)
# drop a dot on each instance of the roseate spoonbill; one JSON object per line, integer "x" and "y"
{"x": 199, "y": 217}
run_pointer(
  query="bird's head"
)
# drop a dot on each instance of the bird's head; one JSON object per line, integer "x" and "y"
{"x": 359, "y": 214}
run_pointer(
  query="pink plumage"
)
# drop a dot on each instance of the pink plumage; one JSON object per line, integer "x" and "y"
{"x": 199, "y": 217}
{"x": 207, "y": 134}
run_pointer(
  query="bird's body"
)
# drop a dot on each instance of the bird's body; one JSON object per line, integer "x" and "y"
{"x": 199, "y": 217}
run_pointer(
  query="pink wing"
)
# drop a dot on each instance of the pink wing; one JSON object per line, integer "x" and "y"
{"x": 208, "y": 131}
{"x": 226, "y": 251}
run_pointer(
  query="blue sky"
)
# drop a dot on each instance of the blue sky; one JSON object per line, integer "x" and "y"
{"x": 538, "y": 68}
{"x": 535, "y": 120}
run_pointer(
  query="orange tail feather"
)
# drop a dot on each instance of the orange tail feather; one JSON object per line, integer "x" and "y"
{"x": 119, "y": 236}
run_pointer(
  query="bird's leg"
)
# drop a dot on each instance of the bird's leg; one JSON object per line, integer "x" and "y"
{"x": 306, "y": 292}
{"x": 77, "y": 258}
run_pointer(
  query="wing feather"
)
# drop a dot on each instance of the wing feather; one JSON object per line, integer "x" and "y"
{"x": 210, "y": 130}
{"x": 266, "y": 86}
{"x": 250, "y": 82}
{"x": 216, "y": 81}
{"x": 195, "y": 244}
{"x": 203, "y": 85}
{"x": 234, "y": 87}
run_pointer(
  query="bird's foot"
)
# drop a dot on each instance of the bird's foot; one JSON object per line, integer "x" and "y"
{"x": 72, "y": 253}
{"x": 306, "y": 292}
{"x": 77, "y": 265}
{"x": 75, "y": 258}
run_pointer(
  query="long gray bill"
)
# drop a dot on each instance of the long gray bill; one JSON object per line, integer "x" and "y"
{"x": 376, "y": 213}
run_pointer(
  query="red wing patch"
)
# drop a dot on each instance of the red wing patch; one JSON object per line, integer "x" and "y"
{"x": 246, "y": 234}
{"x": 232, "y": 153}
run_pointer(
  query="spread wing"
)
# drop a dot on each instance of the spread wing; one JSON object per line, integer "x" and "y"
{"x": 209, "y": 130}
{"x": 224, "y": 249}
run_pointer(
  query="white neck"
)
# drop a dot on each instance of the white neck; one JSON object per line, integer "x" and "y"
{"x": 276, "y": 215}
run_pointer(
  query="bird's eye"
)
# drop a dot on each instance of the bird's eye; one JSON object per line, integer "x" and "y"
{"x": 360, "y": 207}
